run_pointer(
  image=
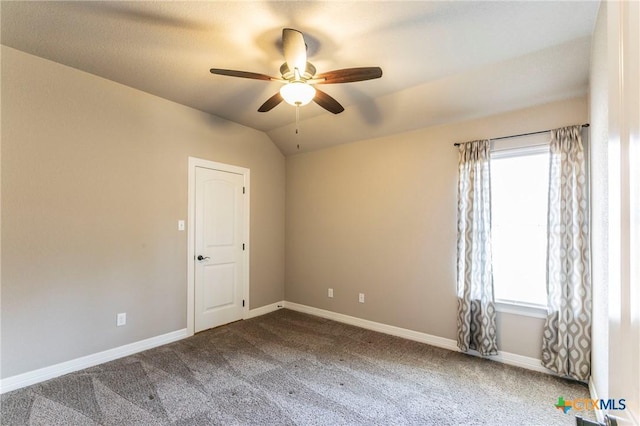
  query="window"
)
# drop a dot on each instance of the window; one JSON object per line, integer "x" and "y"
{"x": 519, "y": 190}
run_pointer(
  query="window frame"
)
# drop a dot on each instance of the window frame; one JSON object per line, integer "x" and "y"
{"x": 501, "y": 152}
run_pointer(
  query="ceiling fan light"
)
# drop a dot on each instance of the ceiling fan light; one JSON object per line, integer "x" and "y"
{"x": 297, "y": 93}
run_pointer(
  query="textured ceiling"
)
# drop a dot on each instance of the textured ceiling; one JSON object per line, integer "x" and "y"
{"x": 442, "y": 61}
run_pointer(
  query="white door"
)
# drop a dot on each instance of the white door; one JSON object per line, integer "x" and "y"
{"x": 219, "y": 247}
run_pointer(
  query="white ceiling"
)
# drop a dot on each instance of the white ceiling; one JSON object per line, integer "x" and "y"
{"x": 442, "y": 61}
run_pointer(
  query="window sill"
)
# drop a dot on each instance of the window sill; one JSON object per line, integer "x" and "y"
{"x": 514, "y": 308}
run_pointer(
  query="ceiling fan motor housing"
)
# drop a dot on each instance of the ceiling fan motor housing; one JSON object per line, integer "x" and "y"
{"x": 289, "y": 75}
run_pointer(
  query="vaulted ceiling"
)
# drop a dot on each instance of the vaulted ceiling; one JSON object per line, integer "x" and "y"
{"x": 442, "y": 61}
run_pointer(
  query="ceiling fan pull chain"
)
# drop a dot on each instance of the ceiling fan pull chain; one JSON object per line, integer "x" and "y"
{"x": 297, "y": 122}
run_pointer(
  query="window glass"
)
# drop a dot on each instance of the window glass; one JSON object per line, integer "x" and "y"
{"x": 519, "y": 187}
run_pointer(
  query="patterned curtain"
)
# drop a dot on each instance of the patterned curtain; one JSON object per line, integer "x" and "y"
{"x": 566, "y": 342}
{"x": 476, "y": 310}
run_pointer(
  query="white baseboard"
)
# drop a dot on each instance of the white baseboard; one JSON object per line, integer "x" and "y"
{"x": 441, "y": 342}
{"x": 593, "y": 392}
{"x": 46, "y": 373}
{"x": 626, "y": 417}
{"x": 53, "y": 371}
{"x": 262, "y": 310}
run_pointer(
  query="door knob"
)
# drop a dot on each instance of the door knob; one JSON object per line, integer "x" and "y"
{"x": 201, "y": 257}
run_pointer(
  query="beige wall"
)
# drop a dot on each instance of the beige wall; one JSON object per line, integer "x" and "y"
{"x": 615, "y": 113}
{"x": 94, "y": 180}
{"x": 379, "y": 217}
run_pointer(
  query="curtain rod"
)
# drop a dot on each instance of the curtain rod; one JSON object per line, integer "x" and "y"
{"x": 521, "y": 134}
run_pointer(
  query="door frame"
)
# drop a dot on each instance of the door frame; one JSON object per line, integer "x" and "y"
{"x": 191, "y": 211}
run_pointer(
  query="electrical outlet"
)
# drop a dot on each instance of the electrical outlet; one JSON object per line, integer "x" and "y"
{"x": 330, "y": 293}
{"x": 121, "y": 319}
{"x": 361, "y": 298}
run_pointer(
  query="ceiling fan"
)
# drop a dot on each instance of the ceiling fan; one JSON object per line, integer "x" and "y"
{"x": 299, "y": 77}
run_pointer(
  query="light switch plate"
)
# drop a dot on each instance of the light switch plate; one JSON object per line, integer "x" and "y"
{"x": 181, "y": 225}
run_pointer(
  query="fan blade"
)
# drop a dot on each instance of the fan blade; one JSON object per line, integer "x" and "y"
{"x": 271, "y": 103}
{"x": 243, "y": 74}
{"x": 327, "y": 102}
{"x": 349, "y": 75}
{"x": 295, "y": 50}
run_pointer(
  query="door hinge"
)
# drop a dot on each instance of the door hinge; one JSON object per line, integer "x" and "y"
{"x": 243, "y": 303}
{"x": 243, "y": 189}
{"x": 242, "y": 246}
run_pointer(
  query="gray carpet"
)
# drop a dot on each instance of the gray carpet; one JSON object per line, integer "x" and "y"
{"x": 288, "y": 368}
